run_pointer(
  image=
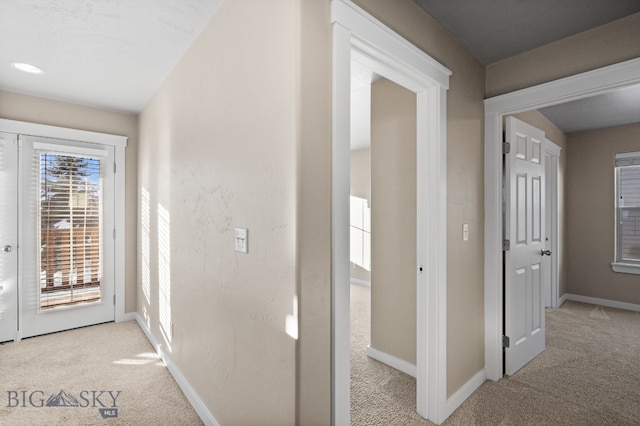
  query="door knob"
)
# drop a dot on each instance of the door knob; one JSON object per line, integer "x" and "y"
{"x": 545, "y": 252}
{"x": 6, "y": 249}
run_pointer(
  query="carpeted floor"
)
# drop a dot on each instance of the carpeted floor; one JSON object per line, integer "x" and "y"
{"x": 81, "y": 372}
{"x": 588, "y": 375}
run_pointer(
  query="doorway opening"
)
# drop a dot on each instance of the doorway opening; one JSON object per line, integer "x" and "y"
{"x": 359, "y": 37}
{"x": 581, "y": 86}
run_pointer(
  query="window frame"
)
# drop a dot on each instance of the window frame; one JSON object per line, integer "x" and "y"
{"x": 627, "y": 266}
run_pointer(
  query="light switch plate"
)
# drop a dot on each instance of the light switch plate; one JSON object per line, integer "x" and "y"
{"x": 465, "y": 232}
{"x": 242, "y": 240}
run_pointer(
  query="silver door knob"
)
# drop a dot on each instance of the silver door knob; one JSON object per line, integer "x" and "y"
{"x": 545, "y": 252}
{"x": 6, "y": 249}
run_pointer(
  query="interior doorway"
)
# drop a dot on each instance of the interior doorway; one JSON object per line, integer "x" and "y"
{"x": 358, "y": 36}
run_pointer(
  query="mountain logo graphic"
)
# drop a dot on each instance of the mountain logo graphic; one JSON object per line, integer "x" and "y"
{"x": 62, "y": 399}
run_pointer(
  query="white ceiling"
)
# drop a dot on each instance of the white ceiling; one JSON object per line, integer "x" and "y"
{"x": 114, "y": 54}
{"x": 110, "y": 54}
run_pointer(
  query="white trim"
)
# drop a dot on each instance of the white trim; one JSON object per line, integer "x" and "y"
{"x": 554, "y": 151}
{"x": 119, "y": 207}
{"x": 626, "y": 268}
{"x": 361, "y": 282}
{"x": 197, "y": 403}
{"x": 580, "y": 86}
{"x": 562, "y": 299}
{"x": 465, "y": 392}
{"x": 392, "y": 361}
{"x": 43, "y": 130}
{"x": 358, "y": 36}
{"x": 603, "y": 302}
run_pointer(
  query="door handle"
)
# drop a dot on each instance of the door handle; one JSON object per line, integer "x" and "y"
{"x": 6, "y": 249}
{"x": 545, "y": 252}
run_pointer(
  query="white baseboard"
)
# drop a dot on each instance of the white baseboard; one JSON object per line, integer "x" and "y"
{"x": 562, "y": 299}
{"x": 464, "y": 392}
{"x": 392, "y": 361}
{"x": 361, "y": 282}
{"x": 129, "y": 317}
{"x": 603, "y": 302}
{"x": 204, "y": 413}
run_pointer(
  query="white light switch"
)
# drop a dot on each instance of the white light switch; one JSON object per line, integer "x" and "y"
{"x": 465, "y": 232}
{"x": 242, "y": 240}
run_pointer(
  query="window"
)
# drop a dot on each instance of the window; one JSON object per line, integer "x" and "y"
{"x": 70, "y": 212}
{"x": 627, "y": 170}
{"x": 360, "y": 233}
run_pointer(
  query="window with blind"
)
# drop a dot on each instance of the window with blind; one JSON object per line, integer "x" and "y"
{"x": 628, "y": 208}
{"x": 70, "y": 224}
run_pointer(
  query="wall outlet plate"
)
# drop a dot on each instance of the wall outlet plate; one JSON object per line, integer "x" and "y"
{"x": 242, "y": 240}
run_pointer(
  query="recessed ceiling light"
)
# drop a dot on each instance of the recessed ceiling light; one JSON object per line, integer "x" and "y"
{"x": 31, "y": 69}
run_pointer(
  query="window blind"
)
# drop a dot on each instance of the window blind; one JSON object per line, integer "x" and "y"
{"x": 628, "y": 206}
{"x": 70, "y": 219}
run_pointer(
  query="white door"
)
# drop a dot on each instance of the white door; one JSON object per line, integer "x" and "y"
{"x": 66, "y": 216}
{"x": 525, "y": 230}
{"x": 8, "y": 237}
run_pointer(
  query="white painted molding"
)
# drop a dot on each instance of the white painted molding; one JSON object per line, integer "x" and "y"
{"x": 392, "y": 361}
{"x": 34, "y": 129}
{"x": 129, "y": 316}
{"x": 202, "y": 410}
{"x": 602, "y": 302}
{"x": 625, "y": 268}
{"x": 580, "y": 86}
{"x": 361, "y": 282}
{"x": 552, "y": 148}
{"x": 561, "y": 300}
{"x": 465, "y": 392}
{"x": 359, "y": 37}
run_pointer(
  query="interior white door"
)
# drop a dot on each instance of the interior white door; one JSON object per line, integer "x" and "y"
{"x": 66, "y": 235}
{"x": 8, "y": 237}
{"x": 525, "y": 230}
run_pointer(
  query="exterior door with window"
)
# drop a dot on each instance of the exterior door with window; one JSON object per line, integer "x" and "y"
{"x": 8, "y": 236}
{"x": 66, "y": 213}
{"x": 525, "y": 230}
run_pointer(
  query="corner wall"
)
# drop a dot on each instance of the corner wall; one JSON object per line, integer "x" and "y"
{"x": 19, "y": 107}
{"x": 590, "y": 207}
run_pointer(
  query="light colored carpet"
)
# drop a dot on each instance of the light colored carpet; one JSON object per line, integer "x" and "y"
{"x": 588, "y": 375}
{"x": 106, "y": 357}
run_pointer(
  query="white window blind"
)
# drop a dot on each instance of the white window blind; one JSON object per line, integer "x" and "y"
{"x": 70, "y": 223}
{"x": 628, "y": 207}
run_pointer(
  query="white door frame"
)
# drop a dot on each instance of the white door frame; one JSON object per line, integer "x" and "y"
{"x": 568, "y": 89}
{"x": 359, "y": 36}
{"x": 552, "y": 152}
{"x": 119, "y": 143}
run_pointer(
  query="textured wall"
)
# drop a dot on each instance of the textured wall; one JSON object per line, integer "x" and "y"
{"x": 591, "y": 213}
{"x": 45, "y": 111}
{"x": 219, "y": 150}
{"x": 465, "y": 177}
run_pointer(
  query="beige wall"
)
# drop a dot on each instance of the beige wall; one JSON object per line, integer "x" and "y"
{"x": 605, "y": 45}
{"x": 54, "y": 113}
{"x": 591, "y": 213}
{"x": 361, "y": 188}
{"x": 465, "y": 177}
{"x": 393, "y": 220}
{"x": 219, "y": 149}
{"x": 314, "y": 214}
{"x": 557, "y": 136}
